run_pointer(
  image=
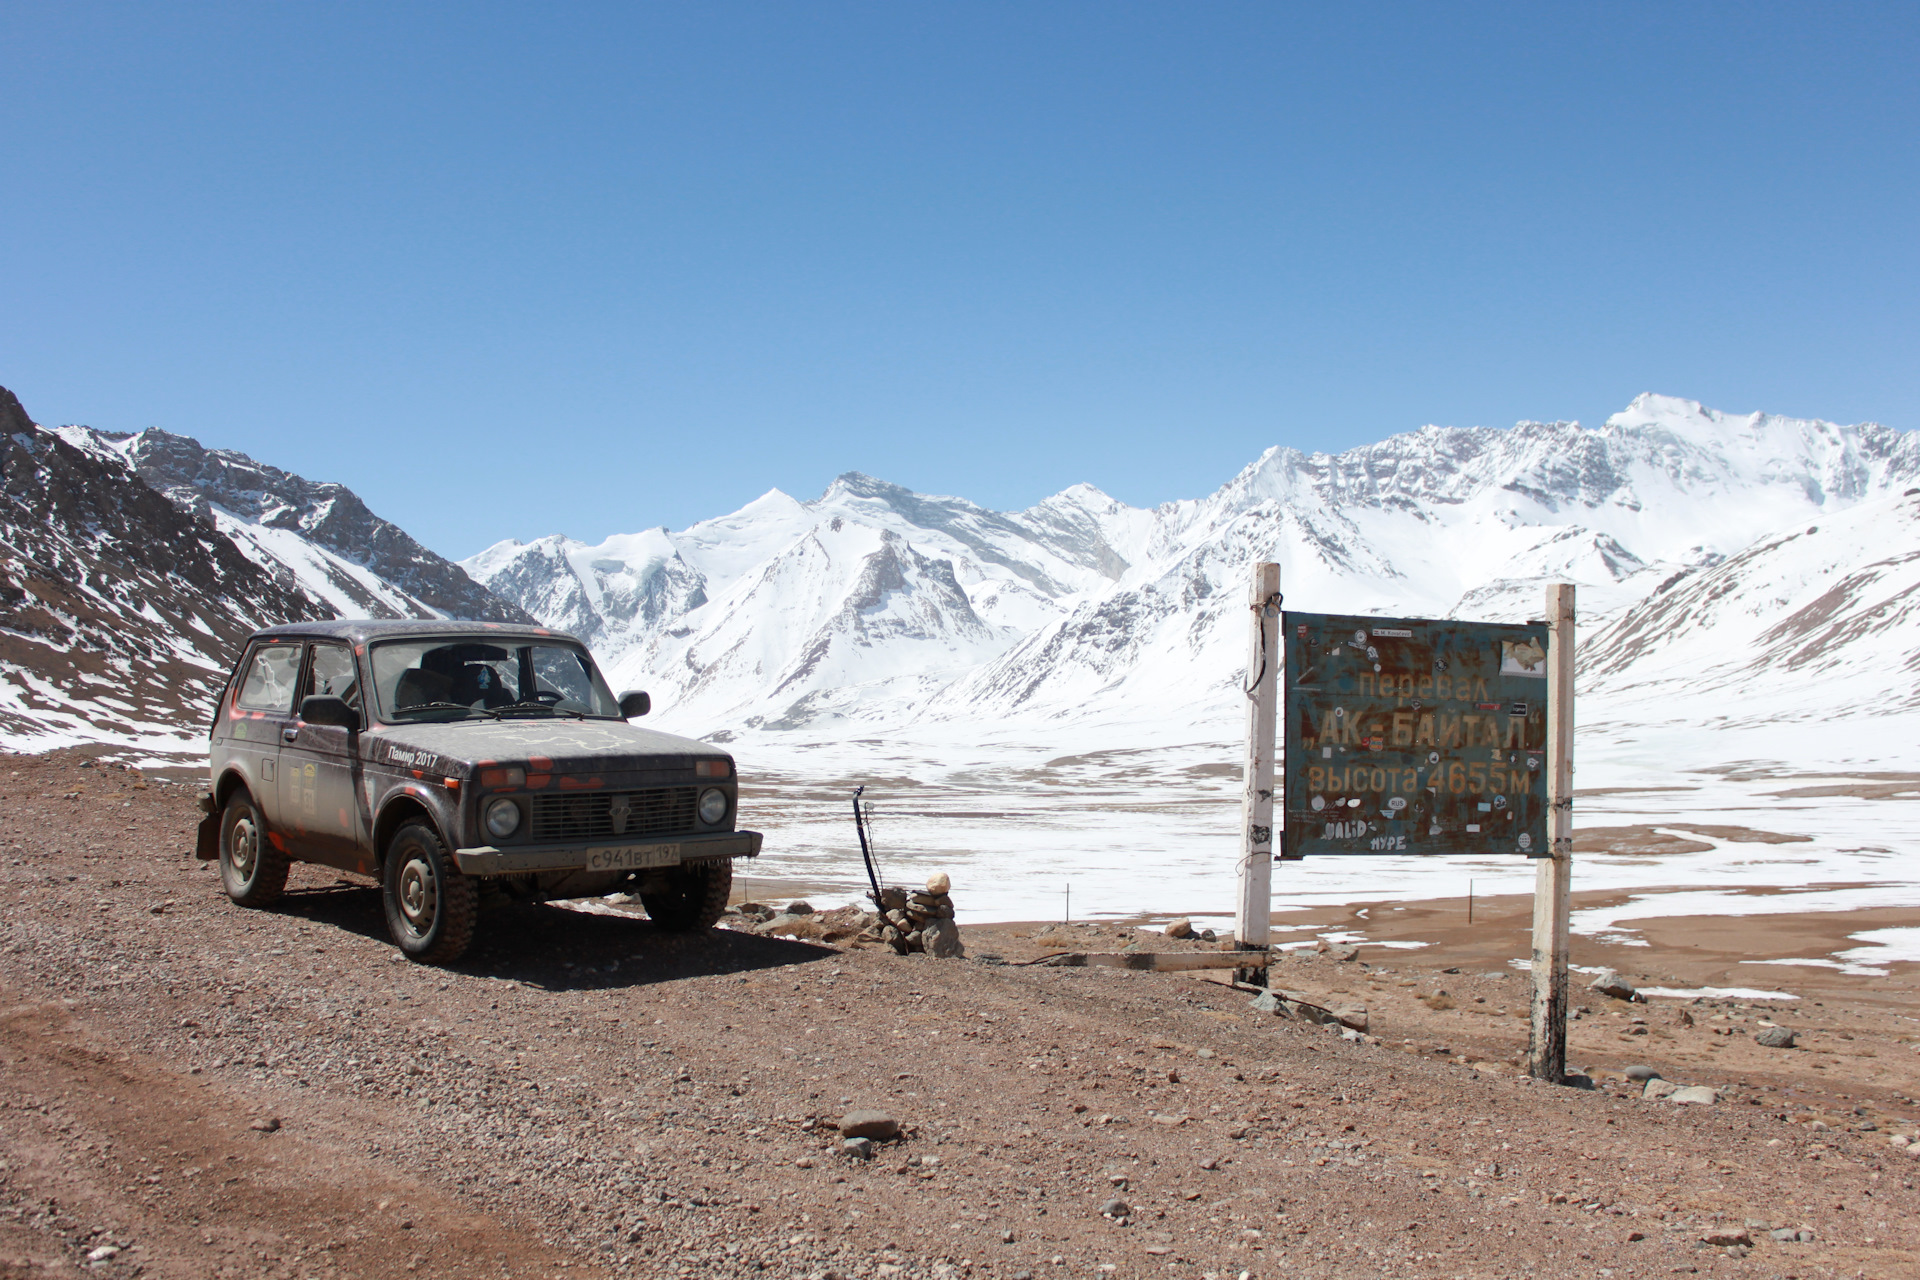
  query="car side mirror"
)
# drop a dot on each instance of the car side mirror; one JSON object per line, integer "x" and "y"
{"x": 325, "y": 708}
{"x": 633, "y": 705}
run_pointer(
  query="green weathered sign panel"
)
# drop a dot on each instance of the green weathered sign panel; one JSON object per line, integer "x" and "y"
{"x": 1412, "y": 735}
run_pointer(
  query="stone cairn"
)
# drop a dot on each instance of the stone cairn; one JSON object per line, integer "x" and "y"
{"x": 921, "y": 922}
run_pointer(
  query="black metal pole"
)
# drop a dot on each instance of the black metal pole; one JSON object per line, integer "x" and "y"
{"x": 866, "y": 853}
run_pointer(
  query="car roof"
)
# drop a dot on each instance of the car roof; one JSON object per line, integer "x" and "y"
{"x": 363, "y": 630}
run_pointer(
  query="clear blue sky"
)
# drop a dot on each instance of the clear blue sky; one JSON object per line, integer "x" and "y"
{"x": 513, "y": 270}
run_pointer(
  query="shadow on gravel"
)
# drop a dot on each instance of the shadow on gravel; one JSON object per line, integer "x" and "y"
{"x": 556, "y": 949}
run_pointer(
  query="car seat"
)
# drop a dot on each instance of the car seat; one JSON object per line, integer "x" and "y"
{"x": 417, "y": 688}
{"x": 478, "y": 682}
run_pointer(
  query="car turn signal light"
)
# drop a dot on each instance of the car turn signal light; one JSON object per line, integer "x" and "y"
{"x": 514, "y": 777}
{"x": 713, "y": 769}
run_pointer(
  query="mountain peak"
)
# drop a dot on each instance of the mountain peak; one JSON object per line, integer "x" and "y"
{"x": 348, "y": 560}
{"x": 858, "y": 484}
{"x": 1090, "y": 605}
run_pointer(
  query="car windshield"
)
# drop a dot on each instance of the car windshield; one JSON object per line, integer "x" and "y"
{"x": 474, "y": 677}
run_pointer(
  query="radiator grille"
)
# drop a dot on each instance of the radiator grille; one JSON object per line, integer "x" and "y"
{"x": 659, "y": 812}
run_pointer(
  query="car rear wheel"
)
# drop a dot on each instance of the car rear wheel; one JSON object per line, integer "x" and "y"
{"x": 694, "y": 897}
{"x": 431, "y": 907}
{"x": 253, "y": 872}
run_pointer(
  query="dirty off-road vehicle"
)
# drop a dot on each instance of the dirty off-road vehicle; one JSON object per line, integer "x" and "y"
{"x": 449, "y": 758}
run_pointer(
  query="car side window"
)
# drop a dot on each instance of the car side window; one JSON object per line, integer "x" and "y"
{"x": 271, "y": 673}
{"x": 333, "y": 672}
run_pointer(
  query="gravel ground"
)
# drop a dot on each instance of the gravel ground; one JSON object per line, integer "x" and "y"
{"x": 197, "y": 1090}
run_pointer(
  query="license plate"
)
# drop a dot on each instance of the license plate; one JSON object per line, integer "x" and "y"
{"x": 633, "y": 857}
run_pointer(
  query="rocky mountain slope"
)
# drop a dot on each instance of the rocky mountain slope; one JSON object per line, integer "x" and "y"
{"x": 135, "y": 564}
{"x": 1817, "y": 622}
{"x": 119, "y": 613}
{"x": 315, "y": 536}
{"x": 874, "y": 605}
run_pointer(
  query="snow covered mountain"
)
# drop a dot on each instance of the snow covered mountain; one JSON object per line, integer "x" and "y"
{"x": 873, "y": 608}
{"x": 119, "y": 613}
{"x": 132, "y": 566}
{"x": 1820, "y": 622}
{"x": 880, "y": 606}
{"x": 316, "y": 537}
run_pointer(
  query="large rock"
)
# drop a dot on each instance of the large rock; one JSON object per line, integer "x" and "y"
{"x": 786, "y": 925}
{"x": 1639, "y": 1073}
{"x": 877, "y": 1125}
{"x": 1181, "y": 928}
{"x": 844, "y": 923}
{"x": 938, "y": 883}
{"x": 1697, "y": 1094}
{"x": 1775, "y": 1038}
{"x": 1657, "y": 1090}
{"x": 1609, "y": 983}
{"x": 1303, "y": 1007}
{"x": 941, "y": 938}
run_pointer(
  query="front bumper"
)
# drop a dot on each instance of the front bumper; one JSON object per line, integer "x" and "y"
{"x": 614, "y": 855}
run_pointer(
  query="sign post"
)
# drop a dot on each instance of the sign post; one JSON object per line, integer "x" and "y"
{"x": 1547, "y": 1051}
{"x": 1420, "y": 736}
{"x": 1253, "y": 915}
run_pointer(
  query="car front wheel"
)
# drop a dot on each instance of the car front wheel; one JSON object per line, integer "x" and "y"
{"x": 431, "y": 907}
{"x": 693, "y": 898}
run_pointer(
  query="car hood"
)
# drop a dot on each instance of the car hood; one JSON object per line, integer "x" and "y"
{"x": 559, "y": 746}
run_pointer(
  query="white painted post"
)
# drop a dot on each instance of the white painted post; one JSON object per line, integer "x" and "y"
{"x": 1253, "y": 915}
{"x": 1547, "y": 1052}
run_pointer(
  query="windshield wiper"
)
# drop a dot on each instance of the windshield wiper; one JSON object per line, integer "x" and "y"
{"x": 445, "y": 706}
{"x": 538, "y": 708}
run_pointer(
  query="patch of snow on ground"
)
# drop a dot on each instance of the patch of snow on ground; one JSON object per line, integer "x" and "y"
{"x": 1716, "y": 993}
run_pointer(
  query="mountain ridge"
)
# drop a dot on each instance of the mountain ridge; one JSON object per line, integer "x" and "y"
{"x": 1713, "y": 551}
{"x": 1084, "y": 602}
{"x": 119, "y": 613}
{"x": 254, "y": 504}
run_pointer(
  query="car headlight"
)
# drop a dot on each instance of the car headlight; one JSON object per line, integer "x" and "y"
{"x": 713, "y": 805}
{"x": 503, "y": 818}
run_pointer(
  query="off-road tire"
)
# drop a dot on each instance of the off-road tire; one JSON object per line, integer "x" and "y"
{"x": 252, "y": 870}
{"x": 694, "y": 898}
{"x": 431, "y": 908}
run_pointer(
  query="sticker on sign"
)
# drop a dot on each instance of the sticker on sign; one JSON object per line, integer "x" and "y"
{"x": 1393, "y": 633}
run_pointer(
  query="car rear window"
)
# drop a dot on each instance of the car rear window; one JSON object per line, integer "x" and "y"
{"x": 271, "y": 674}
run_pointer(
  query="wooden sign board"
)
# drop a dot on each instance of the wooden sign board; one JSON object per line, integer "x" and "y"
{"x": 1414, "y": 735}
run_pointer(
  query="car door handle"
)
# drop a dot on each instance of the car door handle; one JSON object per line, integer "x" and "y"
{"x": 289, "y": 734}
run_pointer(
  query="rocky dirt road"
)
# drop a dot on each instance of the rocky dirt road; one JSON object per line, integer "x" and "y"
{"x": 196, "y": 1090}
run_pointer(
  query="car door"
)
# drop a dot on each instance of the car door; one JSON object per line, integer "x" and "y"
{"x": 317, "y": 774}
{"x": 262, "y": 711}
